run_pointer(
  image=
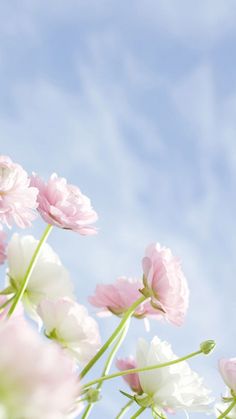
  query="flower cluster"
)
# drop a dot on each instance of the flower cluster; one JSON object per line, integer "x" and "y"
{"x": 42, "y": 368}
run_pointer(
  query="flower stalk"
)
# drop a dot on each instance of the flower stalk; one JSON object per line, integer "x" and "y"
{"x": 124, "y": 409}
{"x": 228, "y": 410}
{"x": 112, "y": 338}
{"x": 24, "y": 283}
{"x": 148, "y": 368}
{"x": 138, "y": 413}
{"x": 108, "y": 364}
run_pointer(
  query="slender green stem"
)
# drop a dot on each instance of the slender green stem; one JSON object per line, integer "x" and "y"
{"x": 134, "y": 370}
{"x": 124, "y": 409}
{"x": 138, "y": 413}
{"x": 225, "y": 413}
{"x": 29, "y": 270}
{"x": 108, "y": 364}
{"x": 87, "y": 411}
{"x": 111, "y": 339}
{"x": 114, "y": 350}
{"x": 5, "y": 304}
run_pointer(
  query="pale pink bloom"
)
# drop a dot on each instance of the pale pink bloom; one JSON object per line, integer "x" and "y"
{"x": 118, "y": 297}
{"x": 37, "y": 379}
{"x": 64, "y": 205}
{"x": 131, "y": 379}
{"x": 68, "y": 323}
{"x": 2, "y": 246}
{"x": 227, "y": 368}
{"x": 17, "y": 197}
{"x": 165, "y": 283}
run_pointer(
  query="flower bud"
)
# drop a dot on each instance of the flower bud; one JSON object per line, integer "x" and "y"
{"x": 93, "y": 395}
{"x": 207, "y": 346}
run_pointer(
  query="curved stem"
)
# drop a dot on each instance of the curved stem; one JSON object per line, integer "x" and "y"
{"x": 124, "y": 409}
{"x": 149, "y": 368}
{"x": 111, "y": 339}
{"x": 108, "y": 363}
{"x": 29, "y": 270}
{"x": 225, "y": 413}
{"x": 138, "y": 413}
{"x": 5, "y": 304}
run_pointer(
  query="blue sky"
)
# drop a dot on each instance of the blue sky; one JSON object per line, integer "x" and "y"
{"x": 136, "y": 104}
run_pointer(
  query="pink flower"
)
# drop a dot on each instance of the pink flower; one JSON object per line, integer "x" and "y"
{"x": 2, "y": 246}
{"x": 118, "y": 297}
{"x": 164, "y": 281}
{"x": 131, "y": 379}
{"x": 227, "y": 368}
{"x": 17, "y": 197}
{"x": 64, "y": 205}
{"x": 37, "y": 379}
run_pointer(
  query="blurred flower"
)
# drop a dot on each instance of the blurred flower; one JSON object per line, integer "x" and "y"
{"x": 49, "y": 278}
{"x": 118, "y": 297}
{"x": 131, "y": 379}
{"x": 2, "y": 246}
{"x": 171, "y": 388}
{"x": 37, "y": 379}
{"x": 64, "y": 205}
{"x": 70, "y": 325}
{"x": 17, "y": 197}
{"x": 227, "y": 368}
{"x": 164, "y": 281}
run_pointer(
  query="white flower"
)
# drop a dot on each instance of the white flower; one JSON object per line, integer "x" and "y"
{"x": 174, "y": 387}
{"x": 37, "y": 379}
{"x": 49, "y": 278}
{"x": 70, "y": 325}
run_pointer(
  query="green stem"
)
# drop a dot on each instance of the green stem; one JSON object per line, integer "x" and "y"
{"x": 113, "y": 352}
{"x": 108, "y": 364}
{"x": 225, "y": 413}
{"x": 87, "y": 411}
{"x": 111, "y": 339}
{"x": 138, "y": 413}
{"x": 124, "y": 409}
{"x": 5, "y": 304}
{"x": 149, "y": 368}
{"x": 29, "y": 270}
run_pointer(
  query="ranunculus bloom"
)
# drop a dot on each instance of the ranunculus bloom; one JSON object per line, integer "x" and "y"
{"x": 118, "y": 297}
{"x": 49, "y": 278}
{"x": 131, "y": 379}
{"x": 64, "y": 205}
{"x": 2, "y": 246}
{"x": 171, "y": 388}
{"x": 17, "y": 197}
{"x": 70, "y": 325}
{"x": 37, "y": 379}
{"x": 166, "y": 283}
{"x": 227, "y": 368}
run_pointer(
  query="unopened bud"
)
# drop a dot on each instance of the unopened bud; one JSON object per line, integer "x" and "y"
{"x": 207, "y": 346}
{"x": 93, "y": 395}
